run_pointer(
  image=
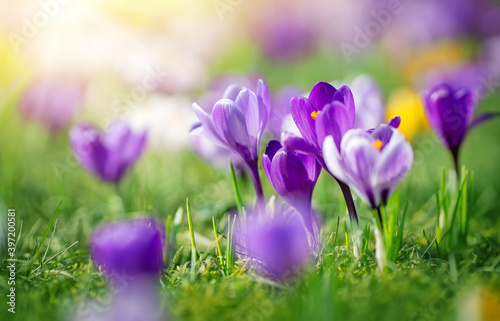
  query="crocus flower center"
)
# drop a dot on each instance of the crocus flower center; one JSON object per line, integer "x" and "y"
{"x": 314, "y": 114}
{"x": 378, "y": 144}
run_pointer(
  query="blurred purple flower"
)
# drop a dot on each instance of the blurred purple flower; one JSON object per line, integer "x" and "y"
{"x": 108, "y": 154}
{"x": 450, "y": 113}
{"x": 293, "y": 176}
{"x": 372, "y": 164}
{"x": 370, "y": 107}
{"x": 129, "y": 249}
{"x": 237, "y": 123}
{"x": 139, "y": 301}
{"x": 52, "y": 102}
{"x": 276, "y": 245}
{"x": 280, "y": 113}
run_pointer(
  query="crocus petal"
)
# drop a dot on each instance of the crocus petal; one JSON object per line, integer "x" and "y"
{"x": 293, "y": 142}
{"x": 383, "y": 133}
{"x": 484, "y": 117}
{"x": 263, "y": 94}
{"x": 255, "y": 115}
{"x": 333, "y": 120}
{"x": 332, "y": 158}
{"x": 321, "y": 94}
{"x": 302, "y": 109}
{"x": 232, "y": 92}
{"x": 230, "y": 123}
{"x": 206, "y": 122}
{"x": 344, "y": 96}
{"x": 272, "y": 147}
{"x": 395, "y": 122}
{"x": 311, "y": 165}
{"x": 393, "y": 164}
{"x": 85, "y": 142}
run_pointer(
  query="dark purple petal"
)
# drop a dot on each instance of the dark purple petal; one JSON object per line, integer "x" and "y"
{"x": 383, "y": 133}
{"x": 129, "y": 249}
{"x": 321, "y": 94}
{"x": 302, "y": 110}
{"x": 484, "y": 117}
{"x": 395, "y": 122}
{"x": 450, "y": 113}
{"x": 272, "y": 147}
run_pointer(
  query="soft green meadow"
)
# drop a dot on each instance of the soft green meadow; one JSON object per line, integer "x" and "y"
{"x": 58, "y": 204}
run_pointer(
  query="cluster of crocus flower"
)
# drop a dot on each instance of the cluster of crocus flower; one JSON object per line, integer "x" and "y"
{"x": 130, "y": 253}
{"x": 107, "y": 154}
{"x": 450, "y": 112}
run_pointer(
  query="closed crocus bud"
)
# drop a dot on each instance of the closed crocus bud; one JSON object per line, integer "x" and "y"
{"x": 372, "y": 163}
{"x": 129, "y": 249}
{"x": 450, "y": 114}
{"x": 275, "y": 244}
{"x": 293, "y": 175}
{"x": 53, "y": 102}
{"x": 107, "y": 154}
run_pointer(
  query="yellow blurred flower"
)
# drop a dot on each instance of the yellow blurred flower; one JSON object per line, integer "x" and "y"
{"x": 407, "y": 104}
{"x": 480, "y": 305}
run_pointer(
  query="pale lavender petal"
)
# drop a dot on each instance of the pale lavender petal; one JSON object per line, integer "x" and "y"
{"x": 263, "y": 94}
{"x": 230, "y": 123}
{"x": 344, "y": 96}
{"x": 255, "y": 115}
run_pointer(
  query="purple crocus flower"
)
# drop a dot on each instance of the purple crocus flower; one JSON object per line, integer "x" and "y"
{"x": 293, "y": 175}
{"x": 237, "y": 123}
{"x": 53, "y": 102}
{"x": 372, "y": 163}
{"x": 276, "y": 245}
{"x": 450, "y": 113}
{"x": 107, "y": 154}
{"x": 129, "y": 249}
{"x": 326, "y": 112}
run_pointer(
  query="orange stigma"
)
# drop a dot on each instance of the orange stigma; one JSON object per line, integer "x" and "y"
{"x": 378, "y": 144}
{"x": 314, "y": 114}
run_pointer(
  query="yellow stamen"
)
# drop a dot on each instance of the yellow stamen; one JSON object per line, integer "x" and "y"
{"x": 314, "y": 114}
{"x": 378, "y": 144}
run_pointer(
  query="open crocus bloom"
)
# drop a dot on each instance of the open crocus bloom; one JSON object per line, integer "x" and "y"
{"x": 129, "y": 249}
{"x": 293, "y": 175}
{"x": 372, "y": 163}
{"x": 107, "y": 154}
{"x": 326, "y": 112}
